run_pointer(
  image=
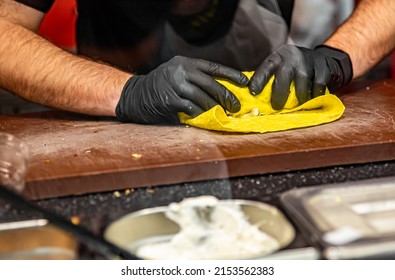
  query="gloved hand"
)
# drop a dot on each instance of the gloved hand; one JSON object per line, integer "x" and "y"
{"x": 312, "y": 71}
{"x": 179, "y": 85}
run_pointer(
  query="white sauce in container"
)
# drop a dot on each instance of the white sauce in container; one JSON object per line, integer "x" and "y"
{"x": 210, "y": 230}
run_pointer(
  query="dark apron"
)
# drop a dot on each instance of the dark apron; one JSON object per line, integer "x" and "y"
{"x": 256, "y": 31}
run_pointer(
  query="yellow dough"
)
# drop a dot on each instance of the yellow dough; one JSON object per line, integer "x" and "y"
{"x": 257, "y": 115}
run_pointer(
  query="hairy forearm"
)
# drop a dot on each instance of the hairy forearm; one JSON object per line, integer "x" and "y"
{"x": 368, "y": 35}
{"x": 40, "y": 72}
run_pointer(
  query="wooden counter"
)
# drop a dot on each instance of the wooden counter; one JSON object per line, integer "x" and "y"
{"x": 73, "y": 154}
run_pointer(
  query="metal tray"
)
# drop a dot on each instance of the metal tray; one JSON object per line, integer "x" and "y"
{"x": 349, "y": 220}
{"x": 138, "y": 228}
{"x": 35, "y": 240}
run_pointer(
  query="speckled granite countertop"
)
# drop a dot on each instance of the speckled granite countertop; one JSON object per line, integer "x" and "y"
{"x": 95, "y": 211}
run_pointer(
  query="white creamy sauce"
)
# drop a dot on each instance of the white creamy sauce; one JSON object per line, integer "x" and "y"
{"x": 210, "y": 230}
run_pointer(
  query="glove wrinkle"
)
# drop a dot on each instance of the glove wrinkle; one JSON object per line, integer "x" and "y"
{"x": 323, "y": 67}
{"x": 179, "y": 85}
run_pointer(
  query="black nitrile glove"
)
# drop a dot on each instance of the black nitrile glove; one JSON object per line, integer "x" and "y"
{"x": 179, "y": 85}
{"x": 312, "y": 71}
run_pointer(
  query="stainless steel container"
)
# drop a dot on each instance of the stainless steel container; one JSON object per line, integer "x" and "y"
{"x": 138, "y": 228}
{"x": 35, "y": 240}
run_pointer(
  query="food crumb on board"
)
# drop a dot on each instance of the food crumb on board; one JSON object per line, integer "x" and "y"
{"x": 150, "y": 190}
{"x": 116, "y": 194}
{"x": 135, "y": 155}
{"x": 128, "y": 191}
{"x": 75, "y": 220}
{"x": 47, "y": 161}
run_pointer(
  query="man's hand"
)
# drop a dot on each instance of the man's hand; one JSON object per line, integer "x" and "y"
{"x": 179, "y": 85}
{"x": 311, "y": 70}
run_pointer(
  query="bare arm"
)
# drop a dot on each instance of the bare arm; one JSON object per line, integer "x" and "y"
{"x": 368, "y": 36}
{"x": 40, "y": 72}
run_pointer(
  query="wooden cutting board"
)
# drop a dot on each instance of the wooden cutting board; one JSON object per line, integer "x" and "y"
{"x": 73, "y": 154}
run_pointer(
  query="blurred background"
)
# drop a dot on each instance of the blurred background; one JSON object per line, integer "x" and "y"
{"x": 324, "y": 15}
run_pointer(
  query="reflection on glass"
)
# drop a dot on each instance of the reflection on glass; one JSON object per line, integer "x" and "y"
{"x": 13, "y": 161}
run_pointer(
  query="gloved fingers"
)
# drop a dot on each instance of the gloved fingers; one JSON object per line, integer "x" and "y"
{"x": 195, "y": 94}
{"x": 188, "y": 107}
{"x": 337, "y": 80}
{"x": 304, "y": 80}
{"x": 220, "y": 71}
{"x": 263, "y": 73}
{"x": 218, "y": 92}
{"x": 281, "y": 87}
{"x": 304, "y": 76}
{"x": 322, "y": 76}
{"x": 303, "y": 85}
{"x": 321, "y": 80}
{"x": 318, "y": 89}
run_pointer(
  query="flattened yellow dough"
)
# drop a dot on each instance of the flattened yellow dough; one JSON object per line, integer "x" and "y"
{"x": 323, "y": 109}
